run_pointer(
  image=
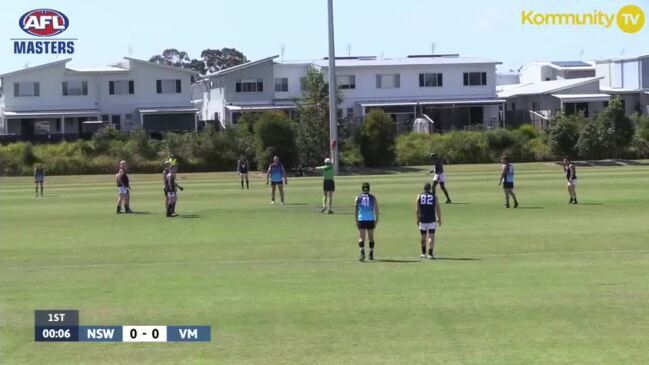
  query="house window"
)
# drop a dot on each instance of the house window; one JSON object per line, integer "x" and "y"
{"x": 475, "y": 78}
{"x": 105, "y": 118}
{"x": 128, "y": 118}
{"x": 27, "y": 89}
{"x": 281, "y": 84}
{"x": 75, "y": 88}
{"x": 391, "y": 81}
{"x": 250, "y": 86}
{"x": 346, "y": 81}
{"x": 350, "y": 113}
{"x": 116, "y": 119}
{"x": 431, "y": 80}
{"x": 121, "y": 87}
{"x": 168, "y": 86}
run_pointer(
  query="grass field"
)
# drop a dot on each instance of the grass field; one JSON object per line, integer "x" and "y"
{"x": 547, "y": 283}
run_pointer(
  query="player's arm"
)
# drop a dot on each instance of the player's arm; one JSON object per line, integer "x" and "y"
{"x": 572, "y": 172}
{"x": 376, "y": 211}
{"x": 356, "y": 211}
{"x": 503, "y": 172}
{"x": 417, "y": 208}
{"x": 268, "y": 174}
{"x": 284, "y": 175}
{"x": 438, "y": 212}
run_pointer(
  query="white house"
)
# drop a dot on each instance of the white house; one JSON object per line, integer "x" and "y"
{"x": 556, "y": 70}
{"x": 53, "y": 99}
{"x": 455, "y": 92}
{"x": 627, "y": 78}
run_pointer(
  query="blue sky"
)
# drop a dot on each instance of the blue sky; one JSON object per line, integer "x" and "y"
{"x": 106, "y": 30}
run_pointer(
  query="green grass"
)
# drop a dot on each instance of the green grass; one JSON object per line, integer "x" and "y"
{"x": 544, "y": 284}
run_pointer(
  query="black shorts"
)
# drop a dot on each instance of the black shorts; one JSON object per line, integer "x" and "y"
{"x": 366, "y": 224}
{"x": 329, "y": 185}
{"x": 276, "y": 183}
{"x": 430, "y": 231}
{"x": 508, "y": 185}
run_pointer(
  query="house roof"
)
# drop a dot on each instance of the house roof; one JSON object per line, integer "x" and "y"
{"x": 577, "y": 98}
{"x": 155, "y": 64}
{"x": 567, "y": 65}
{"x": 412, "y": 61}
{"x": 29, "y": 69}
{"x": 97, "y": 69}
{"x": 241, "y": 66}
{"x": 545, "y": 87}
{"x": 623, "y": 58}
{"x": 478, "y": 101}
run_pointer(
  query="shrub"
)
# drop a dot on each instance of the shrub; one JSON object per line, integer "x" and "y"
{"x": 377, "y": 139}
{"x": 589, "y": 144}
{"x": 414, "y": 148}
{"x": 616, "y": 128}
{"x": 563, "y": 135}
{"x": 499, "y": 141}
{"x": 274, "y": 135}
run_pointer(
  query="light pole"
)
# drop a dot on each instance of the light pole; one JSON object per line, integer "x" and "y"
{"x": 333, "y": 108}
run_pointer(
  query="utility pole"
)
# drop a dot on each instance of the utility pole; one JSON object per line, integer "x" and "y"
{"x": 333, "y": 107}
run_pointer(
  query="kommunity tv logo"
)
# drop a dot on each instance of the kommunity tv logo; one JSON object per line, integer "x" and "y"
{"x": 629, "y": 19}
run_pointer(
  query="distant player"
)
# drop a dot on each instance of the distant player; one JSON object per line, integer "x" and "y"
{"x": 277, "y": 176}
{"x": 242, "y": 169}
{"x": 328, "y": 185}
{"x": 39, "y": 178}
{"x": 126, "y": 184}
{"x": 507, "y": 180}
{"x": 367, "y": 218}
{"x": 121, "y": 179}
{"x": 571, "y": 175}
{"x": 429, "y": 217}
{"x": 171, "y": 190}
{"x": 439, "y": 177}
{"x": 165, "y": 171}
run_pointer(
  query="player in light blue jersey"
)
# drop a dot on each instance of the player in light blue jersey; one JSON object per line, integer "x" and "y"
{"x": 366, "y": 217}
{"x": 507, "y": 180}
{"x": 277, "y": 176}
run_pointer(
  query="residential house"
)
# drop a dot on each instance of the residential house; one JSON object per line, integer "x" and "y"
{"x": 628, "y": 79}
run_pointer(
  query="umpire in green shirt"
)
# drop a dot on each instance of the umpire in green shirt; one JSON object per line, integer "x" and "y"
{"x": 328, "y": 184}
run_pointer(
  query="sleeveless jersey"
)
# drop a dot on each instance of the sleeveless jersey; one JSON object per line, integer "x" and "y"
{"x": 568, "y": 172}
{"x": 276, "y": 174}
{"x": 426, "y": 207}
{"x": 365, "y": 204}
{"x": 243, "y": 166}
{"x": 509, "y": 173}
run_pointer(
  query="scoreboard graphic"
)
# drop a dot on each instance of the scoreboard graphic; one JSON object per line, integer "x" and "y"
{"x": 63, "y": 326}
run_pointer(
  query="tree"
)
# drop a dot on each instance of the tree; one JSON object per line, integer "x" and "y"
{"x": 564, "y": 134}
{"x": 589, "y": 144}
{"x": 313, "y": 118}
{"x": 219, "y": 59}
{"x": 616, "y": 128}
{"x": 377, "y": 139}
{"x": 172, "y": 57}
{"x": 274, "y": 135}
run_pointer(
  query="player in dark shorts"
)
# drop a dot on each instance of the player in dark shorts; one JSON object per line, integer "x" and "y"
{"x": 165, "y": 171}
{"x": 242, "y": 169}
{"x": 171, "y": 189}
{"x": 429, "y": 217}
{"x": 571, "y": 175}
{"x": 121, "y": 179}
{"x": 507, "y": 180}
{"x": 39, "y": 178}
{"x": 366, "y": 216}
{"x": 439, "y": 177}
{"x": 328, "y": 185}
{"x": 277, "y": 176}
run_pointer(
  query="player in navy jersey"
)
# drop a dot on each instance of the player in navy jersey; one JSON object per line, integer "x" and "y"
{"x": 277, "y": 176}
{"x": 165, "y": 171}
{"x": 507, "y": 180}
{"x": 123, "y": 185}
{"x": 171, "y": 189}
{"x": 366, "y": 216}
{"x": 39, "y": 178}
{"x": 439, "y": 177}
{"x": 429, "y": 217}
{"x": 571, "y": 175}
{"x": 242, "y": 169}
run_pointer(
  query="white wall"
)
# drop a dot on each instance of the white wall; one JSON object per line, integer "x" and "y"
{"x": 630, "y": 75}
{"x": 294, "y": 72}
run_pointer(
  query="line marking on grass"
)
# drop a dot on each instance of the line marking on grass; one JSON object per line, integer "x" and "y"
{"x": 351, "y": 259}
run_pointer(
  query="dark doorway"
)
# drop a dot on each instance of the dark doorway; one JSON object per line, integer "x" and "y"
{"x": 27, "y": 128}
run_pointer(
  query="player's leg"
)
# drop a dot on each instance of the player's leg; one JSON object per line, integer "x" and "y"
{"x": 41, "y": 184}
{"x": 247, "y": 182}
{"x": 448, "y": 198}
{"x": 435, "y": 183}
{"x": 573, "y": 192}
{"x": 506, "y": 191}
{"x": 273, "y": 186}
{"x": 241, "y": 176}
{"x": 423, "y": 237}
{"x": 431, "y": 244}
{"x": 331, "y": 201}
{"x": 36, "y": 187}
{"x": 127, "y": 202}
{"x": 511, "y": 192}
{"x": 120, "y": 200}
{"x": 281, "y": 192}
{"x": 361, "y": 242}
{"x": 324, "y": 202}
{"x": 370, "y": 237}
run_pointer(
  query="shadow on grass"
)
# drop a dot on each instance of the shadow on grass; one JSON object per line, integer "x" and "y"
{"x": 454, "y": 203}
{"x": 296, "y": 204}
{"x": 189, "y": 216}
{"x": 379, "y": 171}
{"x": 141, "y": 213}
{"x": 608, "y": 163}
{"x": 458, "y": 259}
{"x": 394, "y": 261}
{"x": 530, "y": 208}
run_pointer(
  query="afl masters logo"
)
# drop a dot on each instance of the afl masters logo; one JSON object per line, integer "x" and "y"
{"x": 43, "y": 23}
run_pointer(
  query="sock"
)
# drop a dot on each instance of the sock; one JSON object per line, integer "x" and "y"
{"x": 168, "y": 209}
{"x": 247, "y": 184}
{"x": 430, "y": 251}
{"x": 173, "y": 208}
{"x": 241, "y": 184}
{"x": 324, "y": 202}
{"x": 118, "y": 208}
{"x": 371, "y": 246}
{"x": 423, "y": 248}
{"x": 127, "y": 207}
{"x": 361, "y": 246}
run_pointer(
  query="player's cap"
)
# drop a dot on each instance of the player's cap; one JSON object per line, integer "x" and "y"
{"x": 365, "y": 187}
{"x": 327, "y": 161}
